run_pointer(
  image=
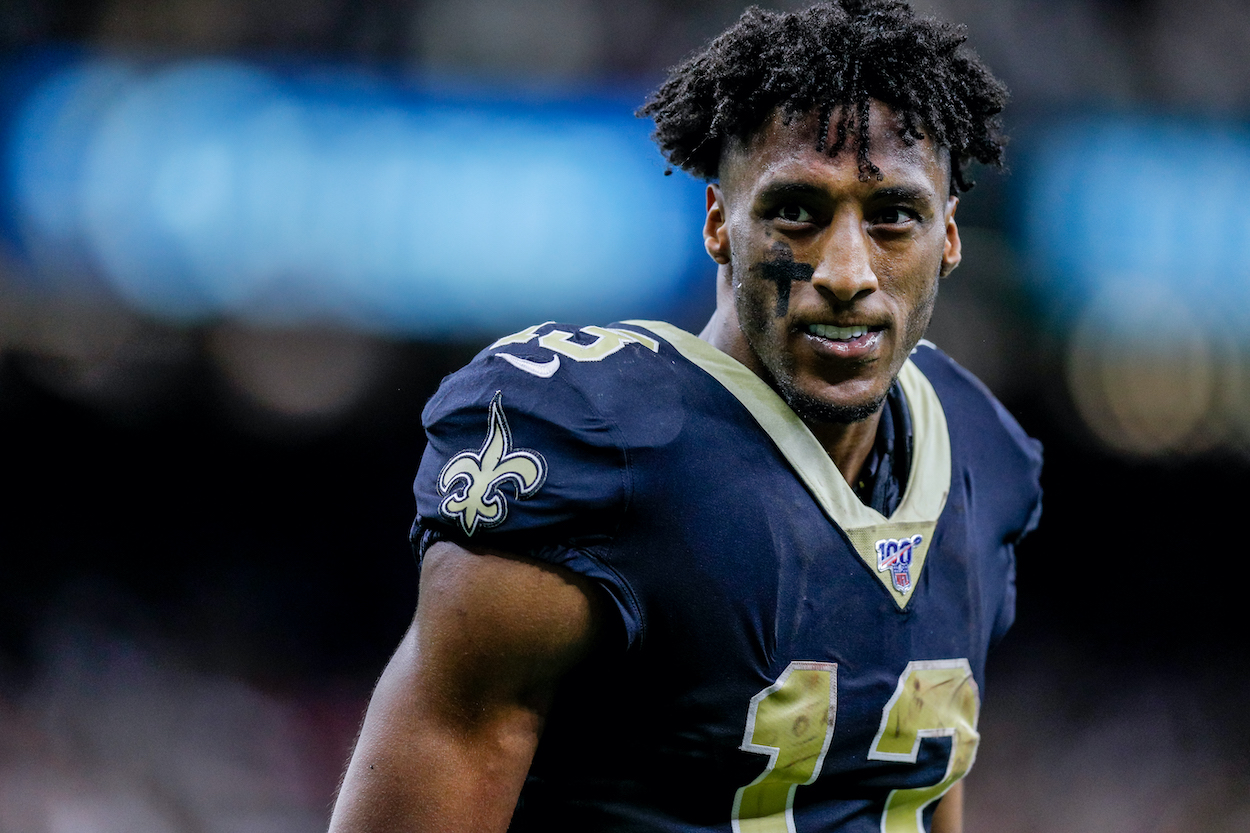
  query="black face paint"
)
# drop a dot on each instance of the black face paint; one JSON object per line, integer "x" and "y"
{"x": 781, "y": 270}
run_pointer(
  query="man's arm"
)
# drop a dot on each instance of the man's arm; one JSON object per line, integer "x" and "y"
{"x": 454, "y": 721}
{"x": 949, "y": 815}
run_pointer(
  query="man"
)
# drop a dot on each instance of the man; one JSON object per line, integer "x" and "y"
{"x": 741, "y": 581}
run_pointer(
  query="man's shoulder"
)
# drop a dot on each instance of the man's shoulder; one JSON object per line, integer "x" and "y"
{"x": 587, "y": 379}
{"x": 986, "y": 439}
{"x": 969, "y": 404}
{"x": 538, "y": 431}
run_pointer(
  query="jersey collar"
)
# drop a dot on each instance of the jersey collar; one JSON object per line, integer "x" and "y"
{"x": 928, "y": 483}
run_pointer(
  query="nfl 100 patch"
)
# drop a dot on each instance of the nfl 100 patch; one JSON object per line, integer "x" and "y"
{"x": 895, "y": 555}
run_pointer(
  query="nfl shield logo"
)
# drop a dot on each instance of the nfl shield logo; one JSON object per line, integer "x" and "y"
{"x": 895, "y": 554}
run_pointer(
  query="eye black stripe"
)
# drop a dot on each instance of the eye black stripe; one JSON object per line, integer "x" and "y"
{"x": 782, "y": 272}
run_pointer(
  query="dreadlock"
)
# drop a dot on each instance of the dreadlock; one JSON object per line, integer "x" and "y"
{"x": 832, "y": 57}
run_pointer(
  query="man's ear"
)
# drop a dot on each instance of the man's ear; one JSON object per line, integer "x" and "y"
{"x": 952, "y": 250}
{"x": 715, "y": 229}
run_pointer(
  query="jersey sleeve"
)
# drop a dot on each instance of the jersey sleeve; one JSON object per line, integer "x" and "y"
{"x": 1026, "y": 517}
{"x": 525, "y": 465}
{"x": 1005, "y": 462}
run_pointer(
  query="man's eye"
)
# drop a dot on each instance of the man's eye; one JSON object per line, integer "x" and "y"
{"x": 894, "y": 216}
{"x": 794, "y": 213}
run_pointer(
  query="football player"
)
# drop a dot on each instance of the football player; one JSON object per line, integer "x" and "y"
{"x": 745, "y": 580}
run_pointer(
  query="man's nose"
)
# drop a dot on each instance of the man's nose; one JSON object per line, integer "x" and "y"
{"x": 845, "y": 269}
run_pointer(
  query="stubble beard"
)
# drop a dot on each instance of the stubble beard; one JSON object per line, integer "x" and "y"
{"x": 781, "y": 378}
{"x": 810, "y": 408}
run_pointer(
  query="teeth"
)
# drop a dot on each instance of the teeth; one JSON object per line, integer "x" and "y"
{"x": 836, "y": 333}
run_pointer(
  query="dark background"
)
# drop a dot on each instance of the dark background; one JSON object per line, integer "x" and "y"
{"x": 197, "y": 595}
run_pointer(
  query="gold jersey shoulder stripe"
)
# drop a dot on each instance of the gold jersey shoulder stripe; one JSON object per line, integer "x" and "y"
{"x": 928, "y": 484}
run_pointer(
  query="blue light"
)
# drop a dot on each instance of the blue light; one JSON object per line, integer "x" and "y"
{"x": 212, "y": 188}
{"x": 1140, "y": 207}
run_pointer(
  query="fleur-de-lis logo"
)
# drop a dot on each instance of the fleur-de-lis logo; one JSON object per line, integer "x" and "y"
{"x": 471, "y": 480}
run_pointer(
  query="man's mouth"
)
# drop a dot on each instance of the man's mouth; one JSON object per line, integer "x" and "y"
{"x": 838, "y": 333}
{"x": 859, "y": 342}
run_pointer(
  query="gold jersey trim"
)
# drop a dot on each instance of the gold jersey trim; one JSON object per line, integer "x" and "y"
{"x": 928, "y": 484}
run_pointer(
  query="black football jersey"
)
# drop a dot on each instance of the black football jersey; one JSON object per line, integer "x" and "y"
{"x": 788, "y": 658}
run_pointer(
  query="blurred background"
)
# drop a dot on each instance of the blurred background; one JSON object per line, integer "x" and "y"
{"x": 240, "y": 244}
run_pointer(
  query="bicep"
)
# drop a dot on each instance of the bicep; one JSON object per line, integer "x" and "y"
{"x": 454, "y": 721}
{"x": 949, "y": 815}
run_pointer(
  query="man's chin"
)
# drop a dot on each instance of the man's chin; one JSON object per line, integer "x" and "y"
{"x": 812, "y": 409}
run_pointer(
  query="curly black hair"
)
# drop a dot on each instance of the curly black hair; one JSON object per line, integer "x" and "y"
{"x": 832, "y": 56}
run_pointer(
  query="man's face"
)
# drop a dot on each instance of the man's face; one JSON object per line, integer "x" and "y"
{"x": 833, "y": 280}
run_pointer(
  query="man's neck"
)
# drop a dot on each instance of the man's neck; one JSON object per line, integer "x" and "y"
{"x": 848, "y": 445}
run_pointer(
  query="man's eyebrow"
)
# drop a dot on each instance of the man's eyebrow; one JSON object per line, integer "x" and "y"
{"x": 903, "y": 193}
{"x": 791, "y": 190}
{"x": 786, "y": 190}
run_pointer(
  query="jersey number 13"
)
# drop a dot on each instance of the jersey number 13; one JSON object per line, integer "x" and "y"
{"x": 792, "y": 721}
